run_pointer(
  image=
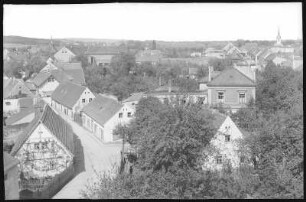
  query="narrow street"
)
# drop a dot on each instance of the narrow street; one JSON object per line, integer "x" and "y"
{"x": 98, "y": 157}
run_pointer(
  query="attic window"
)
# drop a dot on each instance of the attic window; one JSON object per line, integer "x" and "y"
{"x": 227, "y": 138}
{"x": 120, "y": 115}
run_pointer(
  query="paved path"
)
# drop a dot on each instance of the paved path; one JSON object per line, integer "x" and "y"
{"x": 98, "y": 157}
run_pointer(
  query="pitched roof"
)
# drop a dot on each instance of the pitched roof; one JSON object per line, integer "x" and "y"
{"x": 30, "y": 85}
{"x": 101, "y": 109}
{"x": 231, "y": 77}
{"x": 134, "y": 97}
{"x": 59, "y": 75}
{"x": 55, "y": 124}
{"x": 9, "y": 161}
{"x": 247, "y": 71}
{"x": 67, "y": 94}
{"x": 218, "y": 119}
{"x": 9, "y": 84}
{"x": 214, "y": 74}
{"x": 20, "y": 115}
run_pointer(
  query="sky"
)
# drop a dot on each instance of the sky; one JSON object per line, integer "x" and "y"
{"x": 167, "y": 22}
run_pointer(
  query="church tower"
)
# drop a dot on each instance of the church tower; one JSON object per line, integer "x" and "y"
{"x": 278, "y": 39}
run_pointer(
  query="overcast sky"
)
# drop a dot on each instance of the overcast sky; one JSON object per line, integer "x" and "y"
{"x": 169, "y": 22}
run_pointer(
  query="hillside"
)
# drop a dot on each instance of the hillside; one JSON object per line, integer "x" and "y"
{"x": 26, "y": 40}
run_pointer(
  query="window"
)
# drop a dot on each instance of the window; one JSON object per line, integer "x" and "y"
{"x": 201, "y": 100}
{"x": 36, "y": 145}
{"x": 227, "y": 138}
{"x": 220, "y": 96}
{"x": 242, "y": 98}
{"x": 50, "y": 79}
{"x": 120, "y": 115}
{"x": 90, "y": 99}
{"x": 8, "y": 103}
{"x": 219, "y": 159}
{"x": 43, "y": 145}
{"x": 83, "y": 100}
{"x": 242, "y": 159}
{"x": 129, "y": 114}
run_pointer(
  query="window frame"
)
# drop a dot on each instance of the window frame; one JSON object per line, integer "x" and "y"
{"x": 120, "y": 115}
{"x": 227, "y": 138}
{"x": 223, "y": 97}
{"x": 219, "y": 159}
{"x": 129, "y": 114}
{"x": 242, "y": 100}
{"x": 83, "y": 100}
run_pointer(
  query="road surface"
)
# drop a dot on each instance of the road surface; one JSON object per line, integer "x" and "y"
{"x": 98, "y": 157}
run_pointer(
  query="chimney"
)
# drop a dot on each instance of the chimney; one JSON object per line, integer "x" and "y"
{"x": 210, "y": 70}
{"x": 169, "y": 86}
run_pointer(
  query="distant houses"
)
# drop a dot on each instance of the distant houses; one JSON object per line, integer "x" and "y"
{"x": 13, "y": 89}
{"x": 69, "y": 98}
{"x": 64, "y": 55}
{"x": 102, "y": 115}
{"x": 101, "y": 56}
{"x": 152, "y": 57}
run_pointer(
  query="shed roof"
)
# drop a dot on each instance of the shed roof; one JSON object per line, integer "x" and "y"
{"x": 67, "y": 94}
{"x": 102, "y": 109}
{"x": 56, "y": 125}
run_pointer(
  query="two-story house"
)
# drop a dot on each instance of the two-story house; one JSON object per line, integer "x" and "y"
{"x": 233, "y": 88}
{"x": 69, "y": 98}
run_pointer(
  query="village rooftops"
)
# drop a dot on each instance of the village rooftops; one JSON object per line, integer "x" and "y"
{"x": 102, "y": 109}
{"x": 174, "y": 90}
{"x": 105, "y": 50}
{"x": 9, "y": 85}
{"x": 9, "y": 162}
{"x": 59, "y": 75}
{"x": 54, "y": 123}
{"x": 231, "y": 77}
{"x": 67, "y": 94}
{"x": 20, "y": 115}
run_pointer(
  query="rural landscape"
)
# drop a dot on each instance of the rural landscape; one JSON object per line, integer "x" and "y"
{"x": 93, "y": 118}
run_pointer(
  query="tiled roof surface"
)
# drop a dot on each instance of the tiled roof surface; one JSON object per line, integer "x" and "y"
{"x": 26, "y": 102}
{"x": 134, "y": 97}
{"x": 8, "y": 162}
{"x": 55, "y": 124}
{"x": 231, "y": 77}
{"x": 214, "y": 74}
{"x": 59, "y": 75}
{"x": 30, "y": 85}
{"x": 101, "y": 109}
{"x": 247, "y": 71}
{"x": 9, "y": 84}
{"x": 67, "y": 94}
{"x": 16, "y": 117}
{"x": 218, "y": 119}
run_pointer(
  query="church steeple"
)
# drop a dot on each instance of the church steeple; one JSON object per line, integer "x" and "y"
{"x": 278, "y": 39}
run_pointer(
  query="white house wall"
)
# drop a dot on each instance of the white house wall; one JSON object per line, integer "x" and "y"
{"x": 64, "y": 55}
{"x": 12, "y": 107}
{"x": 42, "y": 133}
{"x": 228, "y": 150}
{"x": 87, "y": 94}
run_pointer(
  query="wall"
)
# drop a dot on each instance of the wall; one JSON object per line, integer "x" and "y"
{"x": 13, "y": 107}
{"x": 61, "y": 151}
{"x": 228, "y": 150}
{"x": 89, "y": 123}
{"x": 64, "y": 55}
{"x": 11, "y": 184}
{"x": 231, "y": 95}
{"x": 87, "y": 94}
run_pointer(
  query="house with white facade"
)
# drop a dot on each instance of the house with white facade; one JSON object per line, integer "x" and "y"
{"x": 226, "y": 147}
{"x": 69, "y": 98}
{"x": 13, "y": 89}
{"x": 132, "y": 101}
{"x": 44, "y": 149}
{"x": 102, "y": 115}
{"x": 64, "y": 55}
{"x": 53, "y": 74}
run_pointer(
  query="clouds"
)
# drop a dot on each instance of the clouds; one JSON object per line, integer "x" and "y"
{"x": 156, "y": 21}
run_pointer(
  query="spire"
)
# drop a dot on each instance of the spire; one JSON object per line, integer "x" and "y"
{"x": 278, "y": 38}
